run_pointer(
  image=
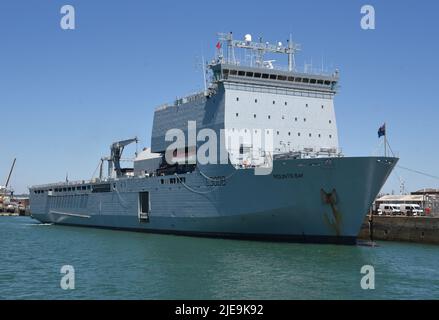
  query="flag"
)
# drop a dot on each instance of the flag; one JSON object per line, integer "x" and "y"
{"x": 382, "y": 131}
{"x": 218, "y": 45}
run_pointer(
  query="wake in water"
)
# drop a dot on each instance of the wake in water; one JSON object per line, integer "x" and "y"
{"x": 37, "y": 224}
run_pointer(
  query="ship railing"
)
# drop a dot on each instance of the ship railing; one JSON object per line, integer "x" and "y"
{"x": 255, "y": 159}
{"x": 66, "y": 183}
{"x": 182, "y": 100}
{"x": 309, "y": 152}
{"x": 305, "y": 70}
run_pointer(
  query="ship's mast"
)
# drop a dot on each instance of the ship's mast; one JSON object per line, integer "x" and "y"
{"x": 259, "y": 49}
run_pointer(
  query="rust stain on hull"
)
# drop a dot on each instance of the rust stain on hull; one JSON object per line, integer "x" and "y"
{"x": 331, "y": 200}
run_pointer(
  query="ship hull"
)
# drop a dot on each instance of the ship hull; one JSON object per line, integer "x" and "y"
{"x": 320, "y": 200}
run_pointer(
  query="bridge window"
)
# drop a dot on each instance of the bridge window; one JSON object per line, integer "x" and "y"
{"x": 273, "y": 76}
{"x": 241, "y": 73}
{"x": 237, "y": 98}
{"x": 264, "y": 76}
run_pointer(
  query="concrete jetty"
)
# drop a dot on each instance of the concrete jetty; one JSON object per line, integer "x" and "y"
{"x": 402, "y": 228}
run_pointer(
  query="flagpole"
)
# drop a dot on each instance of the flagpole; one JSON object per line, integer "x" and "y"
{"x": 385, "y": 140}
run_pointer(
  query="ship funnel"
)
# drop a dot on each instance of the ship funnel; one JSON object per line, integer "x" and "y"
{"x": 248, "y": 38}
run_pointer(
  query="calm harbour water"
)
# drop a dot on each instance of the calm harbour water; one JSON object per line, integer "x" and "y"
{"x": 128, "y": 265}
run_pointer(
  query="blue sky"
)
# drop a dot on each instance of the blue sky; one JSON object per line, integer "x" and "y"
{"x": 66, "y": 95}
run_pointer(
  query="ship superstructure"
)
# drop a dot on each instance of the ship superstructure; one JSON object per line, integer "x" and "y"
{"x": 259, "y": 159}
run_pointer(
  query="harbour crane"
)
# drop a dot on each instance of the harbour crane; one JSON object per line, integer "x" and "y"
{"x": 5, "y": 188}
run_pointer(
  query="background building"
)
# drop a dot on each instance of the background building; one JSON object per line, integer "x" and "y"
{"x": 426, "y": 198}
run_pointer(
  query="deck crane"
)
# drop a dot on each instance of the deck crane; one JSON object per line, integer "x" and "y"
{"x": 116, "y": 154}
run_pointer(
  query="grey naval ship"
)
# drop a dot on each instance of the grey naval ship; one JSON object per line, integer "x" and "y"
{"x": 296, "y": 186}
